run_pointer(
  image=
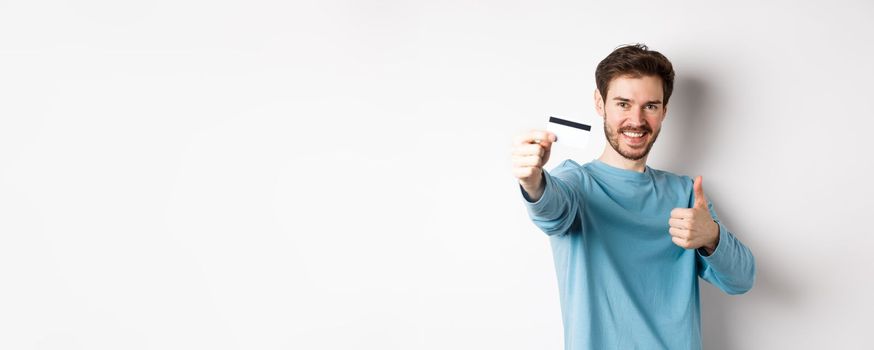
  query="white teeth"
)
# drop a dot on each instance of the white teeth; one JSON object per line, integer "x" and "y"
{"x": 632, "y": 134}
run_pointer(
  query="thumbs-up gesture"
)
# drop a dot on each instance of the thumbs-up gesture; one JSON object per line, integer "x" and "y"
{"x": 693, "y": 228}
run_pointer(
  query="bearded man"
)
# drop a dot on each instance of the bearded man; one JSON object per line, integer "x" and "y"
{"x": 629, "y": 241}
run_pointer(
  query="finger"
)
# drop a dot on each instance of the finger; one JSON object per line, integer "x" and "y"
{"x": 524, "y": 138}
{"x": 700, "y": 199}
{"x": 544, "y": 135}
{"x": 524, "y": 161}
{"x": 545, "y": 140}
{"x": 680, "y": 233}
{"x": 528, "y": 150}
{"x": 536, "y": 136}
{"x": 682, "y": 213}
{"x": 683, "y": 243}
{"x": 525, "y": 172}
{"x": 679, "y": 223}
{"x": 546, "y": 144}
{"x": 527, "y": 161}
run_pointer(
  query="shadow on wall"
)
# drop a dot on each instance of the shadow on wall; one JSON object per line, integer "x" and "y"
{"x": 718, "y": 310}
{"x": 696, "y": 126}
{"x": 693, "y": 123}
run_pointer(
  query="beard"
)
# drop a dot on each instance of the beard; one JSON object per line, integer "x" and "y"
{"x": 634, "y": 153}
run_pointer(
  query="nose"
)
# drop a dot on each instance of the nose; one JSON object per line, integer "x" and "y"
{"x": 635, "y": 116}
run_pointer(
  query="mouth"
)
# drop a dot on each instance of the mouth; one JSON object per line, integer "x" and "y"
{"x": 634, "y": 138}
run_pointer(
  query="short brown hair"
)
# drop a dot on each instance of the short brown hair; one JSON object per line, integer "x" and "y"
{"x": 635, "y": 61}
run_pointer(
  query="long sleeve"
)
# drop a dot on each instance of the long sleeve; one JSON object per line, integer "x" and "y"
{"x": 556, "y": 209}
{"x": 623, "y": 283}
{"x": 731, "y": 267}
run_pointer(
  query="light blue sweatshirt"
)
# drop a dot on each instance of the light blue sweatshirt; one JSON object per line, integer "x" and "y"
{"x": 623, "y": 283}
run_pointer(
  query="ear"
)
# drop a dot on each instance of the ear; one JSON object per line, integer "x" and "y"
{"x": 599, "y": 103}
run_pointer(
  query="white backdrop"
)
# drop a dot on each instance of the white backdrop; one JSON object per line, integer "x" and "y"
{"x": 335, "y": 175}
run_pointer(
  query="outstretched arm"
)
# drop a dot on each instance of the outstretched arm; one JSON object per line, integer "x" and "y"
{"x": 550, "y": 201}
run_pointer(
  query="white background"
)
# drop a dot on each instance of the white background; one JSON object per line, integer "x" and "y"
{"x": 335, "y": 175}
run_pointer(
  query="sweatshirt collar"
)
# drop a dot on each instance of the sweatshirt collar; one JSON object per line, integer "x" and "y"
{"x": 623, "y": 173}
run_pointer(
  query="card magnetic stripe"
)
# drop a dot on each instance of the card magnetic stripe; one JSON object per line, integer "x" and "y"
{"x": 569, "y": 123}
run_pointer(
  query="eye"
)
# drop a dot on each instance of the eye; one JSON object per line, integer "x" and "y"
{"x": 622, "y": 104}
{"x": 652, "y": 107}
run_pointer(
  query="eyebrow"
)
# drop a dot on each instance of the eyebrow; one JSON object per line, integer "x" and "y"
{"x": 623, "y": 99}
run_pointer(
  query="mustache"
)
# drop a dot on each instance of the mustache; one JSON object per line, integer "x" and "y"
{"x": 639, "y": 128}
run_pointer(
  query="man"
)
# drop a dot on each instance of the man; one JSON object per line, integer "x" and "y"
{"x": 629, "y": 241}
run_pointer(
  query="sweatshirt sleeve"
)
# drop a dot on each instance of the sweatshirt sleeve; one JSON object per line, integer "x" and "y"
{"x": 558, "y": 207}
{"x": 731, "y": 267}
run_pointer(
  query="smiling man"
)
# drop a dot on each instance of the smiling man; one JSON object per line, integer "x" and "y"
{"x": 629, "y": 241}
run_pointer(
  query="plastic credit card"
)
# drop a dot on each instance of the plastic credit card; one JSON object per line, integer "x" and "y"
{"x": 569, "y": 133}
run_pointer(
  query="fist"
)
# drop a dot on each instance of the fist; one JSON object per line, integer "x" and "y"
{"x": 693, "y": 228}
{"x": 530, "y": 153}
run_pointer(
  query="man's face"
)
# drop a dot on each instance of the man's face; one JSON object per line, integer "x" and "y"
{"x": 633, "y": 114}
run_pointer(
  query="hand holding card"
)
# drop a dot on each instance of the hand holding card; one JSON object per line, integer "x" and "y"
{"x": 530, "y": 152}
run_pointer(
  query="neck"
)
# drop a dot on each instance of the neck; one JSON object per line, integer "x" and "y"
{"x": 614, "y": 159}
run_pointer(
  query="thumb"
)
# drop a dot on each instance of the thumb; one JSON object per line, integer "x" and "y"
{"x": 700, "y": 199}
